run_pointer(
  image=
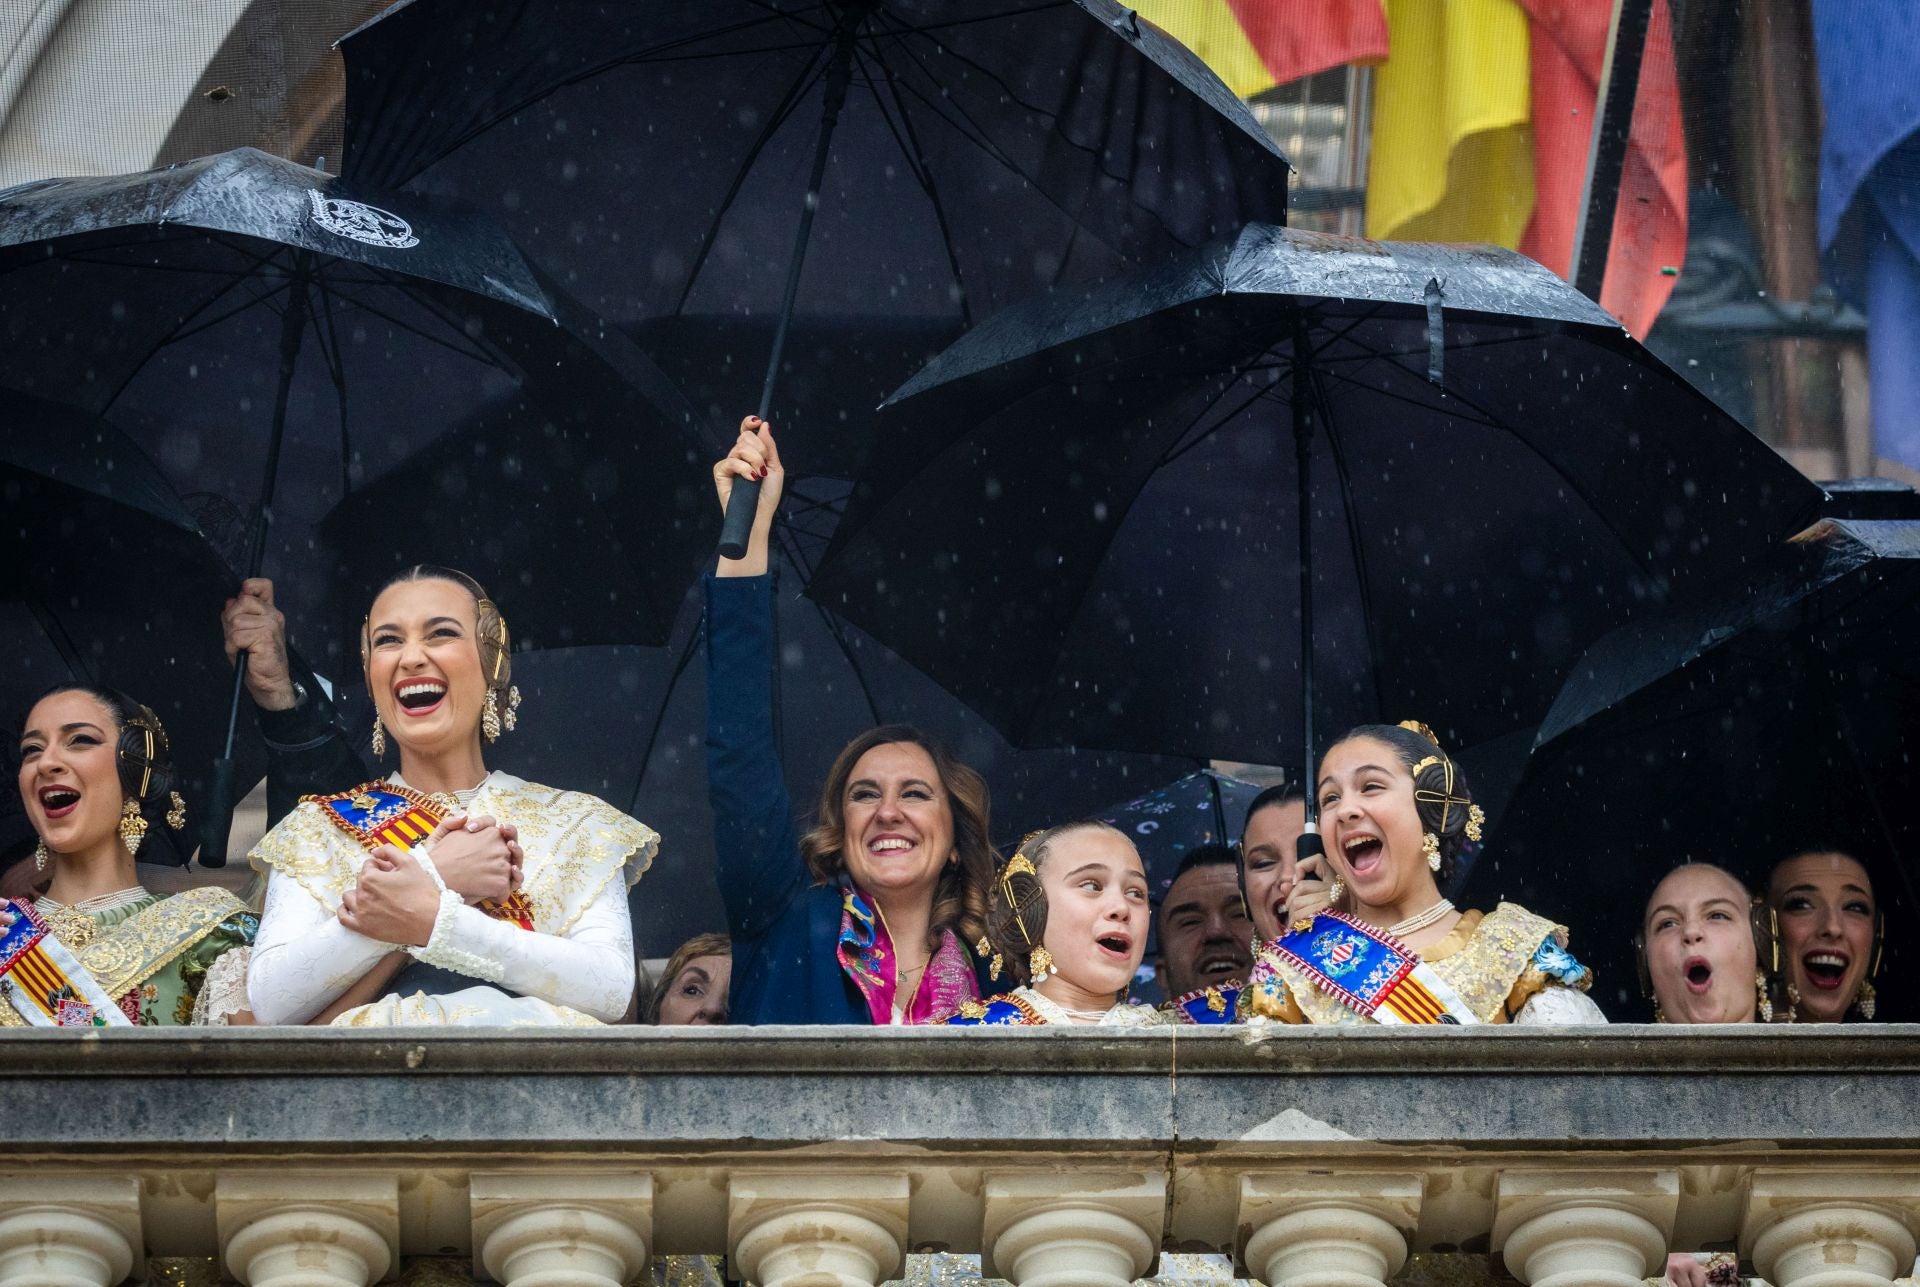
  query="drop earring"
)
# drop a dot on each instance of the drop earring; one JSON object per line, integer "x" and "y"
{"x": 40, "y": 856}
{"x": 1863, "y": 1000}
{"x": 1040, "y": 964}
{"x": 1336, "y": 891}
{"x": 133, "y": 827}
{"x": 177, "y": 815}
{"x": 1430, "y": 846}
{"x": 1763, "y": 1005}
{"x": 490, "y": 716}
{"x": 379, "y": 740}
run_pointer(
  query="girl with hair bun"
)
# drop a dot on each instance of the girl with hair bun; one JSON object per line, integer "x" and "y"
{"x": 1378, "y": 943}
{"x": 94, "y": 948}
{"x": 1069, "y": 916}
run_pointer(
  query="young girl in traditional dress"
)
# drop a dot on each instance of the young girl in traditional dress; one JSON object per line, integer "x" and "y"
{"x": 1069, "y": 917}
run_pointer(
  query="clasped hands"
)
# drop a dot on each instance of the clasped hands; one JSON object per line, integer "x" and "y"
{"x": 395, "y": 900}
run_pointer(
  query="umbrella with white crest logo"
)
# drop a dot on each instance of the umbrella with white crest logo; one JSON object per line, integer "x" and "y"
{"x": 247, "y": 319}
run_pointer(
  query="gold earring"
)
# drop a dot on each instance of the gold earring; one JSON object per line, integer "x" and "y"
{"x": 1337, "y": 890}
{"x": 512, "y": 716}
{"x": 379, "y": 740}
{"x": 177, "y": 815}
{"x": 40, "y": 856}
{"x": 1040, "y": 964}
{"x": 490, "y": 716}
{"x": 1430, "y": 846}
{"x": 1764, "y": 1005}
{"x": 1658, "y": 1017}
{"x": 1863, "y": 1000}
{"x": 133, "y": 827}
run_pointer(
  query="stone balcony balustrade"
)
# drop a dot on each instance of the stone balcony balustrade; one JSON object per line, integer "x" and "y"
{"x": 1574, "y": 1158}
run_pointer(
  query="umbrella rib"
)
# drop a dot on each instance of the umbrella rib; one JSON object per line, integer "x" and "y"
{"x": 909, "y": 141}
{"x": 474, "y": 354}
{"x": 789, "y": 103}
{"x": 805, "y": 568}
{"x": 985, "y": 143}
{"x": 650, "y": 55}
{"x": 1182, "y": 445}
{"x": 323, "y": 325}
{"x": 1487, "y": 420}
{"x": 490, "y": 354}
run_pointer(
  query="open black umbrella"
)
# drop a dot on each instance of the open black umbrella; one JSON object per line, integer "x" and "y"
{"x": 109, "y": 582}
{"x": 926, "y": 159}
{"x": 1111, "y": 518}
{"x": 246, "y": 311}
{"x": 1778, "y": 716}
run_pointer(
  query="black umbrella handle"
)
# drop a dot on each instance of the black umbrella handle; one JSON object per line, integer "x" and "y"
{"x": 744, "y": 501}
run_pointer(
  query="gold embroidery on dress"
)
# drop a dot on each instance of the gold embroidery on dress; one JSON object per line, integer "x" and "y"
{"x": 1487, "y": 959}
{"x": 150, "y": 940}
{"x": 73, "y": 928}
{"x": 575, "y": 843}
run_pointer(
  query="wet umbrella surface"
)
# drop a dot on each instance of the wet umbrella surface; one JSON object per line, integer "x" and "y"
{"x": 1084, "y": 517}
{"x": 1779, "y": 716}
{"x": 254, "y": 322}
{"x": 658, "y": 157}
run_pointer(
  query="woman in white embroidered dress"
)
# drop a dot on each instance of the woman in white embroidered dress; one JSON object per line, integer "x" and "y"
{"x": 403, "y": 901}
{"x": 1069, "y": 915}
{"x": 1395, "y": 809}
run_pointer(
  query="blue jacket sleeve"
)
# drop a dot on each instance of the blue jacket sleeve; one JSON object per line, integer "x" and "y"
{"x": 760, "y": 869}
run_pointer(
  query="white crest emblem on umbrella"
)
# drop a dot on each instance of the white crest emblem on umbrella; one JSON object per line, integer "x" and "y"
{"x": 361, "y": 222}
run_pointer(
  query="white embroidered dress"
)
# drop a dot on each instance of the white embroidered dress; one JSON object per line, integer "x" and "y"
{"x": 575, "y": 968}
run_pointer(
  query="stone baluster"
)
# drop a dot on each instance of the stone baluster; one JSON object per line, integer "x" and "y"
{"x": 307, "y": 1228}
{"x": 1072, "y": 1228}
{"x": 1584, "y": 1228}
{"x": 68, "y": 1230}
{"x": 561, "y": 1229}
{"x": 1348, "y": 1229}
{"x": 1831, "y": 1230}
{"x": 816, "y": 1229}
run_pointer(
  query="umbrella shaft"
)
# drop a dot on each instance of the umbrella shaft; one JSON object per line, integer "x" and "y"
{"x": 744, "y": 501}
{"x": 839, "y": 73}
{"x": 1303, "y": 456}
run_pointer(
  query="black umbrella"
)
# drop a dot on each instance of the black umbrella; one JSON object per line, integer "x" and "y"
{"x": 1778, "y": 716}
{"x": 1094, "y": 523}
{"x": 109, "y": 582}
{"x": 1203, "y": 808}
{"x": 927, "y": 159}
{"x": 221, "y": 303}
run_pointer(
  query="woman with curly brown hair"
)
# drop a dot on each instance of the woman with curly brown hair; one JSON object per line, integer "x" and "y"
{"x": 868, "y": 918}
{"x": 1379, "y": 943}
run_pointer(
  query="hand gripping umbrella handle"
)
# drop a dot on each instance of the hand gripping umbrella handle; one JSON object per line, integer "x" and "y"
{"x": 738, "y": 524}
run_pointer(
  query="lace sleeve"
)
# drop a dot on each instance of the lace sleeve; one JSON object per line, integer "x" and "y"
{"x": 1553, "y": 1004}
{"x": 224, "y": 991}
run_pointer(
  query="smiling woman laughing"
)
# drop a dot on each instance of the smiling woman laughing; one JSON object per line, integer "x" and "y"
{"x": 445, "y": 893}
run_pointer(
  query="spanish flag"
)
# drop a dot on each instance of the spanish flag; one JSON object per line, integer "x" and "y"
{"x": 1452, "y": 156}
{"x": 1254, "y": 45}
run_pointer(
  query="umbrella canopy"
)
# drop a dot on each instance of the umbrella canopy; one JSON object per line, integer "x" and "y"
{"x": 659, "y": 158}
{"x": 240, "y": 305}
{"x": 1204, "y": 808}
{"x": 1775, "y": 718}
{"x": 109, "y": 582}
{"x": 1089, "y": 523}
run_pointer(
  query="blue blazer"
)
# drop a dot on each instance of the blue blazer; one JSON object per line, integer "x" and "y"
{"x": 785, "y": 928}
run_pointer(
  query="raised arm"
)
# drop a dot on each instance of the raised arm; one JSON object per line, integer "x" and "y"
{"x": 307, "y": 751}
{"x": 759, "y": 867}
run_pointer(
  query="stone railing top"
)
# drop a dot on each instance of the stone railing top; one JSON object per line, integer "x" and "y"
{"x": 1214, "y": 1091}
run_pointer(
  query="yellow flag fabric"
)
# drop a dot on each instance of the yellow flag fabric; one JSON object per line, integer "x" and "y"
{"x": 1452, "y": 156}
{"x": 1211, "y": 30}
